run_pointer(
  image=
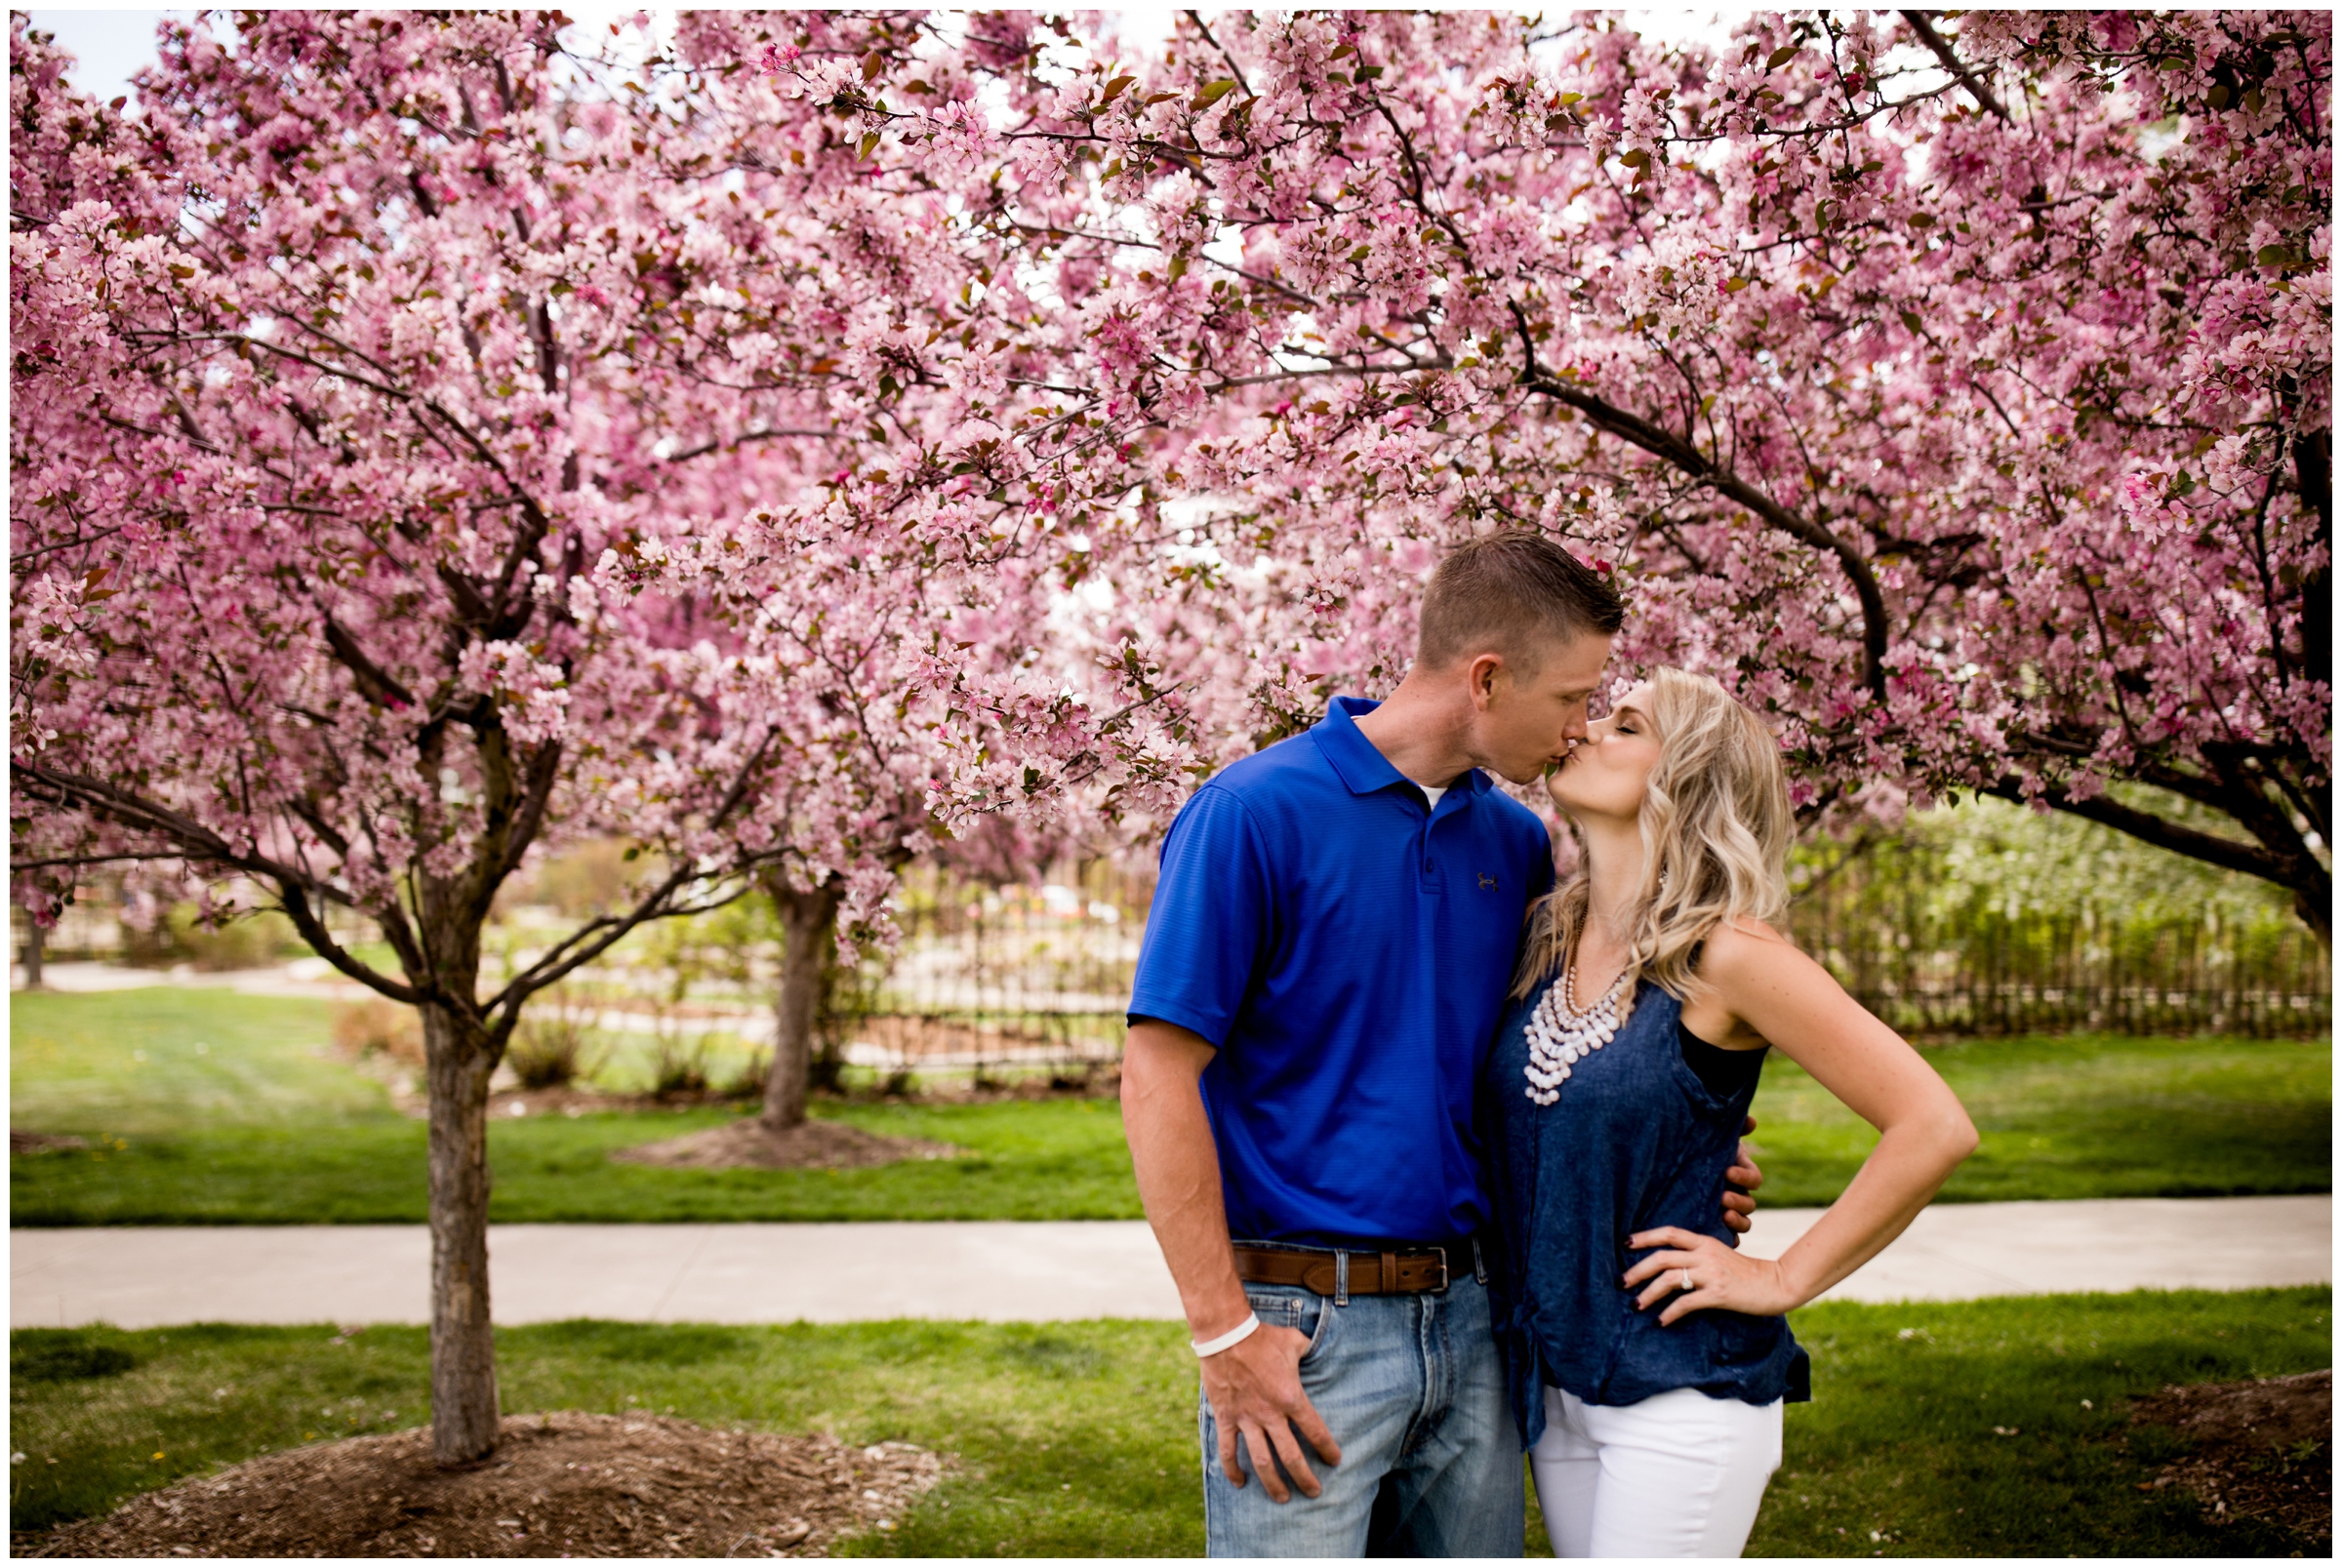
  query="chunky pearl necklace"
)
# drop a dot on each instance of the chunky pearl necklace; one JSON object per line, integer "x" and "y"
{"x": 1559, "y": 1033}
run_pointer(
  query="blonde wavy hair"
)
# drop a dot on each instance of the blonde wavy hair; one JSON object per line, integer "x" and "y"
{"x": 1715, "y": 832}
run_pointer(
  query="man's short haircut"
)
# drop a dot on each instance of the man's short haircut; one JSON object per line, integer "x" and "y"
{"x": 1512, "y": 593}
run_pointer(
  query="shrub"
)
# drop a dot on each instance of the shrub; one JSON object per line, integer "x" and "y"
{"x": 247, "y": 941}
{"x": 679, "y": 1066}
{"x": 378, "y": 1024}
{"x": 552, "y": 1048}
{"x": 748, "y": 1081}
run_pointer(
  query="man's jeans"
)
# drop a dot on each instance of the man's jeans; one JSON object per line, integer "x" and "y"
{"x": 1413, "y": 1389}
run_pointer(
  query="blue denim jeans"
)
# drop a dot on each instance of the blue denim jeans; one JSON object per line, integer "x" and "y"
{"x": 1414, "y": 1392}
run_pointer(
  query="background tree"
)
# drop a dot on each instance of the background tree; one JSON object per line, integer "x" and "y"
{"x": 339, "y": 370}
{"x": 915, "y": 603}
{"x": 1958, "y": 390}
{"x": 440, "y": 440}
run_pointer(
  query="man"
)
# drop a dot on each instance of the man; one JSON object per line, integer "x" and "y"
{"x": 1325, "y": 963}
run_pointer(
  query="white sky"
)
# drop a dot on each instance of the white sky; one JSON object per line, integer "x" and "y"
{"x": 108, "y": 46}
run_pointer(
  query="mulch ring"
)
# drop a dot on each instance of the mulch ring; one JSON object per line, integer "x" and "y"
{"x": 20, "y": 1142}
{"x": 825, "y": 1145}
{"x": 2262, "y": 1449}
{"x": 568, "y": 1483}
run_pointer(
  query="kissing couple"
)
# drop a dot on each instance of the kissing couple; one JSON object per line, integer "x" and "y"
{"x": 1444, "y": 1158}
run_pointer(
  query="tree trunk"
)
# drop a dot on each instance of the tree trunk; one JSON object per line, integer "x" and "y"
{"x": 463, "y": 1401}
{"x": 36, "y": 941}
{"x": 809, "y": 929}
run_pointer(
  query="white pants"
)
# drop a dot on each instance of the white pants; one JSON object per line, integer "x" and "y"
{"x": 1677, "y": 1476}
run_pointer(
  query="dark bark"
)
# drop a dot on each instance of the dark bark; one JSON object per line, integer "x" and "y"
{"x": 809, "y": 931}
{"x": 464, "y": 1398}
{"x": 37, "y": 942}
{"x": 2314, "y": 472}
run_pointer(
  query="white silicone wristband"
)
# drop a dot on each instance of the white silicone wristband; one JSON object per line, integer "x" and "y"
{"x": 1234, "y": 1336}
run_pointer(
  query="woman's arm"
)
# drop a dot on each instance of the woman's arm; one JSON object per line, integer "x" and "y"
{"x": 1775, "y": 992}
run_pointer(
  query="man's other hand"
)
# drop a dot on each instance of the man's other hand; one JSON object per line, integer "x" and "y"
{"x": 1739, "y": 1205}
{"x": 1255, "y": 1389}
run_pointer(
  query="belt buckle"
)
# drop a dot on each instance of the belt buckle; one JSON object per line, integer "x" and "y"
{"x": 1442, "y": 1289}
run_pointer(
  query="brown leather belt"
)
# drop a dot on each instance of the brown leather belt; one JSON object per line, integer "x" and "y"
{"x": 1370, "y": 1273}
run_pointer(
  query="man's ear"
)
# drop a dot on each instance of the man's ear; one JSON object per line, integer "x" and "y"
{"x": 1488, "y": 675}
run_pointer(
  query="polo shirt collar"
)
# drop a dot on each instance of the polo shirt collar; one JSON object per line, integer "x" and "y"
{"x": 1358, "y": 763}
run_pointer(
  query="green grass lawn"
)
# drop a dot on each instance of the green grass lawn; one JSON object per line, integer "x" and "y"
{"x": 2086, "y": 1116}
{"x": 1078, "y": 1439}
{"x": 205, "y": 1107}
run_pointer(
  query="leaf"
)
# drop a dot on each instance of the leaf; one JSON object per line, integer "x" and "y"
{"x": 2270, "y": 255}
{"x": 1780, "y": 56}
{"x": 868, "y": 142}
{"x": 1911, "y": 320}
{"x": 1211, "y": 93}
{"x": 1179, "y": 267}
{"x": 1567, "y": 99}
{"x": 1361, "y": 253}
{"x": 1152, "y": 99}
{"x": 1637, "y": 159}
{"x": 871, "y": 64}
{"x": 1113, "y": 90}
{"x": 178, "y": 271}
{"x": 1367, "y": 73}
{"x": 1735, "y": 285}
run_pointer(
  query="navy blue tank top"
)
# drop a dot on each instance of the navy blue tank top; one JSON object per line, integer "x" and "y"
{"x": 1634, "y": 1140}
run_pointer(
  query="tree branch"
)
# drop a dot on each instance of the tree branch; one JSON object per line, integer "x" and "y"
{"x": 190, "y": 840}
{"x": 1925, "y": 28}
{"x": 2226, "y": 852}
{"x": 1690, "y": 460}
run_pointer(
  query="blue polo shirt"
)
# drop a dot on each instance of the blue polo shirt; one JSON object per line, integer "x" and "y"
{"x": 1348, "y": 950}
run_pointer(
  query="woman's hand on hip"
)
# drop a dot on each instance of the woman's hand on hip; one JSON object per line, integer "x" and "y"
{"x": 1691, "y": 1272}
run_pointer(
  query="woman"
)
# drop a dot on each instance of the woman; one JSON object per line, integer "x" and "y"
{"x": 1649, "y": 1359}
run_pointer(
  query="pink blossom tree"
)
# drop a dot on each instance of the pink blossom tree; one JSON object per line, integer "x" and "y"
{"x": 375, "y": 385}
{"x": 1960, "y": 388}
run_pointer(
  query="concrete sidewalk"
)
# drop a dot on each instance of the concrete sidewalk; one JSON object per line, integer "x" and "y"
{"x": 1010, "y": 1271}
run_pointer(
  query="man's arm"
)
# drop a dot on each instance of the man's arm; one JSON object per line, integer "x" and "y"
{"x": 1254, "y": 1385}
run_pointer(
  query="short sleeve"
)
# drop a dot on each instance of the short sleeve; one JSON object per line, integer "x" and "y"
{"x": 1209, "y": 928}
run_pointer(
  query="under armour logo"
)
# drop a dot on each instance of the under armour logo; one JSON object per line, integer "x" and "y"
{"x": 1487, "y": 882}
